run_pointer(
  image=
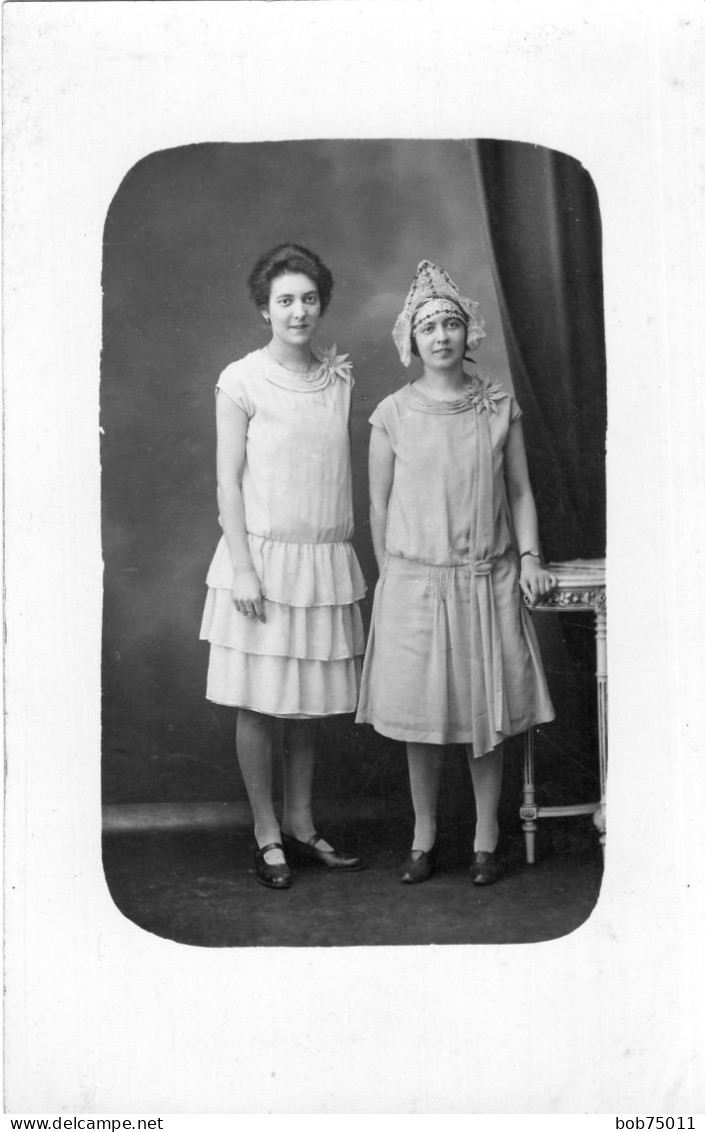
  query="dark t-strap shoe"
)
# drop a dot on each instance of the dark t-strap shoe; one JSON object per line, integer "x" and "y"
{"x": 418, "y": 866}
{"x": 272, "y": 876}
{"x": 485, "y": 868}
{"x": 328, "y": 858}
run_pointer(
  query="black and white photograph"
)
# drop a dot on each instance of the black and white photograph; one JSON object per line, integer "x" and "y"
{"x": 354, "y": 637}
{"x": 306, "y": 697}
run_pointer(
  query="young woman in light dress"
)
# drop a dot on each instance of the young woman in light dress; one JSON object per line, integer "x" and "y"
{"x": 452, "y": 657}
{"x": 281, "y": 614}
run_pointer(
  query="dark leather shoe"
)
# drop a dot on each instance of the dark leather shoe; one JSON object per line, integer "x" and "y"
{"x": 485, "y": 868}
{"x": 329, "y": 858}
{"x": 271, "y": 876}
{"x": 418, "y": 866}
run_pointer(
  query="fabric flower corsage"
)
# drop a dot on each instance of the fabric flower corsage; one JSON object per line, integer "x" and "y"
{"x": 333, "y": 364}
{"x": 485, "y": 396}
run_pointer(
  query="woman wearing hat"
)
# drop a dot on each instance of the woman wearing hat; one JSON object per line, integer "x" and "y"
{"x": 452, "y": 657}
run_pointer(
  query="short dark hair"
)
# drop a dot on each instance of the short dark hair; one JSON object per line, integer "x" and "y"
{"x": 288, "y": 259}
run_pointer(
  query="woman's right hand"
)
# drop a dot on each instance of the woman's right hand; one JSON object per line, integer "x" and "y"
{"x": 247, "y": 594}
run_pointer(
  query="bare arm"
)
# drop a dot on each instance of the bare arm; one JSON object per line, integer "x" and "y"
{"x": 533, "y": 578}
{"x": 381, "y": 478}
{"x": 231, "y": 424}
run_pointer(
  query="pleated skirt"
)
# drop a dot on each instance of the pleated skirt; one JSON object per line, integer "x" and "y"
{"x": 304, "y": 660}
{"x": 422, "y": 660}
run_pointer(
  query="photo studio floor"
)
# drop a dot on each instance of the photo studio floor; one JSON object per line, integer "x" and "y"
{"x": 187, "y": 874}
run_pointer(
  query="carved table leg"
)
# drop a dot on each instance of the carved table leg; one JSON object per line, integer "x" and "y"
{"x": 528, "y": 811}
{"x": 600, "y": 818}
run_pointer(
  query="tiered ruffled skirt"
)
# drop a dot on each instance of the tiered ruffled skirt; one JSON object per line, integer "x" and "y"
{"x": 302, "y": 661}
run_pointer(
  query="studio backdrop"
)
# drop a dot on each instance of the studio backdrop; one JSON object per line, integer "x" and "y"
{"x": 517, "y": 226}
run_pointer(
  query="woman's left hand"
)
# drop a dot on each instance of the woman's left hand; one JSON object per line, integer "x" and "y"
{"x": 535, "y": 580}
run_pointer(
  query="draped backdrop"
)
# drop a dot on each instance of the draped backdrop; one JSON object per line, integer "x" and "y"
{"x": 544, "y": 236}
{"x": 182, "y": 232}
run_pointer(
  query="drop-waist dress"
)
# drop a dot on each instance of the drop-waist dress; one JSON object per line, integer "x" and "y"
{"x": 304, "y": 659}
{"x": 452, "y": 655}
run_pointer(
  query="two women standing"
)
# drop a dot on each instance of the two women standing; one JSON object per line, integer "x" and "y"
{"x": 452, "y": 657}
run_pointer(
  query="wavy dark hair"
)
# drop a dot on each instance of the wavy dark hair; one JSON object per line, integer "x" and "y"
{"x": 288, "y": 259}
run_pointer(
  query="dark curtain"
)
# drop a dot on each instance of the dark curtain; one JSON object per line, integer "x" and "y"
{"x": 543, "y": 228}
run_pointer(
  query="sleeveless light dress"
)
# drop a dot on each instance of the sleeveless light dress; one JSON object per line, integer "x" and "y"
{"x": 452, "y": 655}
{"x": 304, "y": 660}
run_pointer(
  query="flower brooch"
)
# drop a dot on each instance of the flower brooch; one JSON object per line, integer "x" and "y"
{"x": 484, "y": 396}
{"x": 334, "y": 365}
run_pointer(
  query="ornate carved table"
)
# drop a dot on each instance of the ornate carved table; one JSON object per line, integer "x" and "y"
{"x": 581, "y": 586}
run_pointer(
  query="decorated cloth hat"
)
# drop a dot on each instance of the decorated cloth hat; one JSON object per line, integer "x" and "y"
{"x": 433, "y": 292}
